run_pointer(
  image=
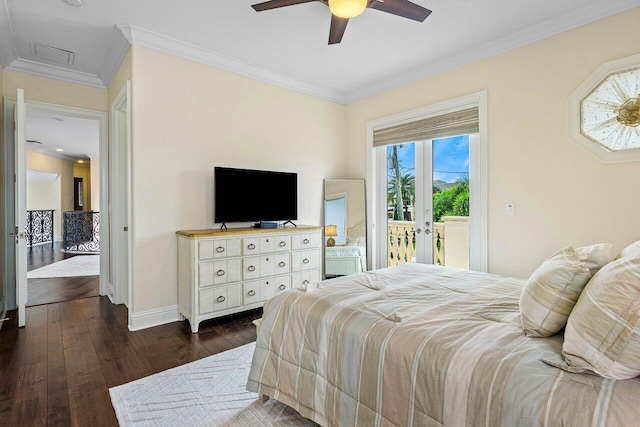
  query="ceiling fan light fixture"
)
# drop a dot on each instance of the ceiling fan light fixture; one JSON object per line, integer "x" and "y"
{"x": 347, "y": 8}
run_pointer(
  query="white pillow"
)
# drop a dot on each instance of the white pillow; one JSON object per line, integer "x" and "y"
{"x": 630, "y": 250}
{"x": 596, "y": 256}
{"x": 551, "y": 292}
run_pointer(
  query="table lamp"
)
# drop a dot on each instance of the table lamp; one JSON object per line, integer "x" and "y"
{"x": 330, "y": 231}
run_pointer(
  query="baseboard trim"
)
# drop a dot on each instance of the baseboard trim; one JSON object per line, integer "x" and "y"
{"x": 155, "y": 317}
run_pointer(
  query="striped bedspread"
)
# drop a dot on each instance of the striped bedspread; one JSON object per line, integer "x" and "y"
{"x": 419, "y": 345}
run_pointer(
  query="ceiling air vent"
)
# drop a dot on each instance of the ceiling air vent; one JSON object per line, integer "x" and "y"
{"x": 73, "y": 2}
{"x": 52, "y": 53}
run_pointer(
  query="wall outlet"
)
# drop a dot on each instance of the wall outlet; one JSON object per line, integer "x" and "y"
{"x": 511, "y": 208}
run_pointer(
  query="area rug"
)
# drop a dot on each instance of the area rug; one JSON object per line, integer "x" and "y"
{"x": 81, "y": 265}
{"x": 208, "y": 392}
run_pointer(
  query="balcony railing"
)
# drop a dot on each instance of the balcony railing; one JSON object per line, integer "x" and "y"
{"x": 81, "y": 232}
{"x": 39, "y": 227}
{"x": 450, "y": 242}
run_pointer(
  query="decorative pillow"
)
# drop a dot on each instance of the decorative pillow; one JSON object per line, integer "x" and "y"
{"x": 630, "y": 250}
{"x": 596, "y": 256}
{"x": 603, "y": 331}
{"x": 551, "y": 292}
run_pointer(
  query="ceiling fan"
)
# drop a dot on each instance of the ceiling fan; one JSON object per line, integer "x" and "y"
{"x": 343, "y": 10}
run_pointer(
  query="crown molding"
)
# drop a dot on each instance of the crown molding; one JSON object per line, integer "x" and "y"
{"x": 117, "y": 50}
{"x": 560, "y": 23}
{"x": 53, "y": 72}
{"x": 7, "y": 41}
{"x": 160, "y": 43}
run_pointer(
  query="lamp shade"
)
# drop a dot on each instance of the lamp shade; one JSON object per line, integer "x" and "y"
{"x": 347, "y": 8}
{"x": 330, "y": 230}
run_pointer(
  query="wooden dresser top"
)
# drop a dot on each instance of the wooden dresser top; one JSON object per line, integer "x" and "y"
{"x": 215, "y": 232}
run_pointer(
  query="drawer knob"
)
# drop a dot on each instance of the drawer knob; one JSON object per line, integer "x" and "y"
{"x": 220, "y": 298}
{"x": 267, "y": 240}
{"x": 282, "y": 287}
{"x": 220, "y": 249}
{"x": 282, "y": 264}
{"x": 267, "y": 259}
{"x": 306, "y": 282}
{"x": 220, "y": 272}
{"x": 251, "y": 268}
{"x": 251, "y": 246}
{"x": 305, "y": 261}
{"x": 305, "y": 241}
{"x": 251, "y": 293}
{"x": 283, "y": 244}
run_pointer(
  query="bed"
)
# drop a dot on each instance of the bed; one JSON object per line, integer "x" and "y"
{"x": 342, "y": 260}
{"x": 419, "y": 345}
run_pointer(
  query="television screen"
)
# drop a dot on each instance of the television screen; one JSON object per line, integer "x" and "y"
{"x": 243, "y": 195}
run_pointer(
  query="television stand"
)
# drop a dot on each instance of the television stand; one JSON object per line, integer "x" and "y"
{"x": 223, "y": 227}
{"x": 284, "y": 224}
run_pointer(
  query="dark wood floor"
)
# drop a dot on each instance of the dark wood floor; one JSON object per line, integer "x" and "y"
{"x": 59, "y": 368}
{"x": 58, "y": 289}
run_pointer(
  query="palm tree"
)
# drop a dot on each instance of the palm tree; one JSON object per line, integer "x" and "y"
{"x": 407, "y": 187}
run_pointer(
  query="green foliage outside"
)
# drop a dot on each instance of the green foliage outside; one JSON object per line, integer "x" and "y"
{"x": 453, "y": 201}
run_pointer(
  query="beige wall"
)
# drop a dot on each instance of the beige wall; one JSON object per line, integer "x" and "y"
{"x": 41, "y": 162}
{"x": 46, "y": 196}
{"x": 52, "y": 91}
{"x": 562, "y": 195}
{"x": 83, "y": 170}
{"x": 189, "y": 118}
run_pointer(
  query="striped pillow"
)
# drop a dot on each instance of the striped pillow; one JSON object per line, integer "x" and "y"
{"x": 551, "y": 292}
{"x": 603, "y": 331}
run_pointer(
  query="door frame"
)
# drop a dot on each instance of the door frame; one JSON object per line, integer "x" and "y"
{"x": 121, "y": 178}
{"x": 478, "y": 256}
{"x": 8, "y": 155}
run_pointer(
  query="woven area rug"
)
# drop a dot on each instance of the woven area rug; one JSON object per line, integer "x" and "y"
{"x": 208, "y": 392}
{"x": 81, "y": 265}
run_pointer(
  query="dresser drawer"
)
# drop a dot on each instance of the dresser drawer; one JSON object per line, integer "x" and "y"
{"x": 282, "y": 284}
{"x": 305, "y": 260}
{"x": 208, "y": 249}
{"x": 251, "y": 292}
{"x": 282, "y": 243}
{"x": 282, "y": 263}
{"x": 305, "y": 241}
{"x": 267, "y": 245}
{"x": 304, "y": 278}
{"x": 250, "y": 246}
{"x": 219, "y": 272}
{"x": 220, "y": 298}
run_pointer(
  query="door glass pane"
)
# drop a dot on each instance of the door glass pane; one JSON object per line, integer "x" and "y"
{"x": 451, "y": 202}
{"x": 401, "y": 195}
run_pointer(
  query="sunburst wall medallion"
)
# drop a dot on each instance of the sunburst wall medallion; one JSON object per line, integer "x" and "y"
{"x": 611, "y": 113}
{"x": 604, "y": 112}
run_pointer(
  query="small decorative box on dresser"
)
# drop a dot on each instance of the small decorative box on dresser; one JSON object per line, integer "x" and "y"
{"x": 224, "y": 272}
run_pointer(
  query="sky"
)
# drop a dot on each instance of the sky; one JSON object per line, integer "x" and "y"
{"x": 450, "y": 158}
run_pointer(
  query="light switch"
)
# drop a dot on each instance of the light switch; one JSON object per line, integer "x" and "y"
{"x": 511, "y": 208}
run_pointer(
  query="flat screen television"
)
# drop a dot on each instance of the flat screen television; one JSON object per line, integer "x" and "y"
{"x": 244, "y": 195}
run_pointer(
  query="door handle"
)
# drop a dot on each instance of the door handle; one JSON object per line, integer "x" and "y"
{"x": 418, "y": 230}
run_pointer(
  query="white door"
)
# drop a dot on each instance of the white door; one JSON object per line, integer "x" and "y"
{"x": 424, "y": 202}
{"x": 20, "y": 117}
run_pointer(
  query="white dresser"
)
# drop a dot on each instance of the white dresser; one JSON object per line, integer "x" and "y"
{"x": 225, "y": 272}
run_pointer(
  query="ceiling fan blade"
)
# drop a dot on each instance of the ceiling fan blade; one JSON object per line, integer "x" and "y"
{"x": 338, "y": 25}
{"x": 273, "y": 4}
{"x": 403, "y": 8}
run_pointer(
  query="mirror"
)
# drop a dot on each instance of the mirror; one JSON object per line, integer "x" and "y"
{"x": 345, "y": 249}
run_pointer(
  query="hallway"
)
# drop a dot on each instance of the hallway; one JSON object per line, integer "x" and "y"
{"x": 56, "y": 289}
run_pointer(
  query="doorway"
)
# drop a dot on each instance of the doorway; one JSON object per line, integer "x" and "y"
{"x": 99, "y": 196}
{"x": 427, "y": 178}
{"x": 63, "y": 210}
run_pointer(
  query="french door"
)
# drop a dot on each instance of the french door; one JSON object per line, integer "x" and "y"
{"x": 426, "y": 201}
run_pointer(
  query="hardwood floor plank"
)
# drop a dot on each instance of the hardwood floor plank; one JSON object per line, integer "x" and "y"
{"x": 58, "y": 412}
{"x": 58, "y": 370}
